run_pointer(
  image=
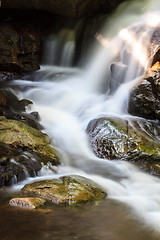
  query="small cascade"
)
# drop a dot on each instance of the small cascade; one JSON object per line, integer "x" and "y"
{"x": 59, "y": 48}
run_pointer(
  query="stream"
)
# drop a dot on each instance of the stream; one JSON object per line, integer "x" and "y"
{"x": 67, "y": 99}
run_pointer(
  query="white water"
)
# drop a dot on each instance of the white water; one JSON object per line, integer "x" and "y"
{"x": 67, "y": 105}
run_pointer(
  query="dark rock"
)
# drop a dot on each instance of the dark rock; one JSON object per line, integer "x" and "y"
{"x": 144, "y": 99}
{"x": 12, "y": 102}
{"x": 19, "y": 49}
{"x": 8, "y": 76}
{"x": 155, "y": 46}
{"x": 13, "y": 108}
{"x": 17, "y": 164}
{"x": 70, "y": 8}
{"x": 134, "y": 140}
{"x": 24, "y": 103}
{"x": 66, "y": 190}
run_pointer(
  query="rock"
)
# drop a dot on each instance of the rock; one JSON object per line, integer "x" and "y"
{"x": 70, "y": 190}
{"x": 144, "y": 99}
{"x": 20, "y": 48}
{"x": 20, "y": 135}
{"x": 29, "y": 49}
{"x": 30, "y": 203}
{"x": 17, "y": 164}
{"x": 8, "y": 76}
{"x": 70, "y": 8}
{"x": 12, "y": 103}
{"x": 155, "y": 46}
{"x": 135, "y": 140}
{"x": 13, "y": 108}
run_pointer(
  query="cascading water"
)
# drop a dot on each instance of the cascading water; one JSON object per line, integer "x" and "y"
{"x": 67, "y": 104}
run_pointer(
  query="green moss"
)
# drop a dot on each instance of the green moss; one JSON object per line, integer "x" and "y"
{"x": 70, "y": 190}
{"x": 21, "y": 135}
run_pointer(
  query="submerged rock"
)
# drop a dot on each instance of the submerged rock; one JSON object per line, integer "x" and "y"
{"x": 135, "y": 140}
{"x": 70, "y": 190}
{"x": 27, "y": 202}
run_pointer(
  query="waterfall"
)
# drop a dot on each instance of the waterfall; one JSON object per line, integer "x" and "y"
{"x": 59, "y": 48}
{"x": 67, "y": 99}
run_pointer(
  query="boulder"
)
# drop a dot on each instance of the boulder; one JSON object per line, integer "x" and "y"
{"x": 70, "y": 8}
{"x": 135, "y": 140}
{"x": 144, "y": 100}
{"x": 21, "y": 135}
{"x": 70, "y": 190}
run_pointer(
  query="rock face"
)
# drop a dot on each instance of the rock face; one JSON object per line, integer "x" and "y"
{"x": 145, "y": 98}
{"x": 19, "y": 48}
{"x": 70, "y": 8}
{"x": 133, "y": 140}
{"x": 65, "y": 190}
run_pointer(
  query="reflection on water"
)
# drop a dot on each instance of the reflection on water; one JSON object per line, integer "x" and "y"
{"x": 109, "y": 220}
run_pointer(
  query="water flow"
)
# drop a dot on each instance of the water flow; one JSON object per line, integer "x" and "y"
{"x": 67, "y": 105}
{"x": 59, "y": 48}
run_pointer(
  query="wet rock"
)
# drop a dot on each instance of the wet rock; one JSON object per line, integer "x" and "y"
{"x": 155, "y": 46}
{"x": 8, "y": 76}
{"x": 13, "y": 108}
{"x": 17, "y": 164}
{"x": 135, "y": 140}
{"x": 144, "y": 99}
{"x": 20, "y": 135}
{"x": 70, "y": 8}
{"x": 12, "y": 103}
{"x": 70, "y": 190}
{"x": 29, "y": 49}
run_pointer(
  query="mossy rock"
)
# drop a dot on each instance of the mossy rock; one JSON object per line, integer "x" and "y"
{"x": 69, "y": 190}
{"x": 19, "y": 134}
{"x": 134, "y": 139}
{"x": 115, "y": 138}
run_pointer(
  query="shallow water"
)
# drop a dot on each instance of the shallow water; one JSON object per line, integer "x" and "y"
{"x": 108, "y": 219}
